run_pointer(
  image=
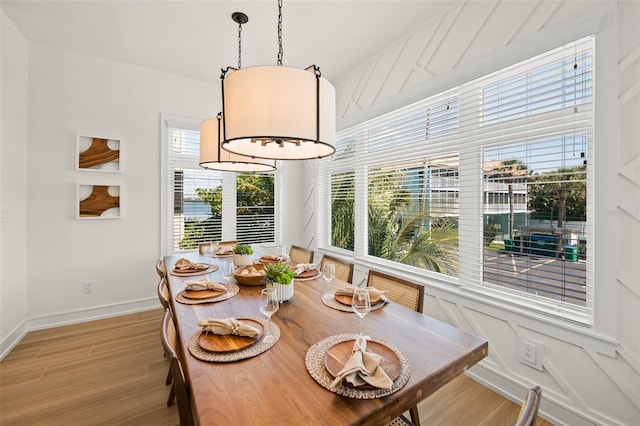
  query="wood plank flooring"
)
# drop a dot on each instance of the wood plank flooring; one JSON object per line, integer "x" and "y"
{"x": 112, "y": 372}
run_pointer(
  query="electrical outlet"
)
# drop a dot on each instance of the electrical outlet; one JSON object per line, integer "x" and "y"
{"x": 530, "y": 353}
{"x": 87, "y": 287}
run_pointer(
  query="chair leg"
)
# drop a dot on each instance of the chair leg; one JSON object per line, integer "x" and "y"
{"x": 169, "y": 378}
{"x": 415, "y": 418}
{"x": 172, "y": 396}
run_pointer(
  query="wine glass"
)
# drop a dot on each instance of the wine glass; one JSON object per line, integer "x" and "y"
{"x": 269, "y": 305}
{"x": 361, "y": 305}
{"x": 329, "y": 273}
{"x": 227, "y": 272}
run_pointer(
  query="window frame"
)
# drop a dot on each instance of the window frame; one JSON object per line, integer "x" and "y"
{"x": 229, "y": 188}
{"x": 600, "y": 322}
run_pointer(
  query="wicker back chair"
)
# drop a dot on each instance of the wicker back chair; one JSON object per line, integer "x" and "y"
{"x": 300, "y": 254}
{"x": 231, "y": 243}
{"x": 529, "y": 409}
{"x": 180, "y": 388}
{"x": 399, "y": 290}
{"x": 344, "y": 270}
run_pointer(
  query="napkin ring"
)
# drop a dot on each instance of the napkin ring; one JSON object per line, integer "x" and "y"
{"x": 235, "y": 327}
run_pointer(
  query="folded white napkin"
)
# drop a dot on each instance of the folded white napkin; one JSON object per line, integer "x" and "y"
{"x": 276, "y": 257}
{"x": 374, "y": 293}
{"x": 183, "y": 263}
{"x": 304, "y": 267}
{"x": 228, "y": 326}
{"x": 204, "y": 284}
{"x": 363, "y": 368}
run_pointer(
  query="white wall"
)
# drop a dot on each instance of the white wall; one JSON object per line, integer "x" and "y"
{"x": 13, "y": 184}
{"x": 590, "y": 375}
{"x": 62, "y": 93}
{"x": 70, "y": 93}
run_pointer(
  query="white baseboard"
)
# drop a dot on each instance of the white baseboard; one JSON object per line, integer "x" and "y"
{"x": 549, "y": 410}
{"x": 8, "y": 343}
{"x": 74, "y": 317}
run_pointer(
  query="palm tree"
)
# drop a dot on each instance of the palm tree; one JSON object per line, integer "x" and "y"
{"x": 434, "y": 249}
{"x": 395, "y": 237}
{"x": 564, "y": 191}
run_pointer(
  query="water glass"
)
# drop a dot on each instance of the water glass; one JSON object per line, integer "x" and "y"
{"x": 328, "y": 274}
{"x": 268, "y": 306}
{"x": 361, "y": 305}
{"x": 211, "y": 251}
{"x": 228, "y": 270}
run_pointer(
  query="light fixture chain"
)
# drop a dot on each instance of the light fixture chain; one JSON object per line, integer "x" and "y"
{"x": 280, "y": 51}
{"x": 239, "y": 45}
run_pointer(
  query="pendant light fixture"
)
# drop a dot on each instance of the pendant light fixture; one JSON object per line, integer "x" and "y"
{"x": 212, "y": 156}
{"x": 278, "y": 112}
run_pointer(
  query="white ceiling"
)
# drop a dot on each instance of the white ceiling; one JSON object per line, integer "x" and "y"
{"x": 198, "y": 38}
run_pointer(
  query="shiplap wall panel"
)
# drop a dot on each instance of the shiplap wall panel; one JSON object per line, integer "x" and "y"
{"x": 580, "y": 384}
{"x": 626, "y": 371}
{"x": 483, "y": 42}
{"x": 308, "y": 206}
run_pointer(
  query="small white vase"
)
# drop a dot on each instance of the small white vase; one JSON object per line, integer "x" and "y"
{"x": 241, "y": 259}
{"x": 284, "y": 292}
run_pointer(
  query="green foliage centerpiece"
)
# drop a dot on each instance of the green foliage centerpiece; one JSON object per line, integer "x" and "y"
{"x": 242, "y": 254}
{"x": 280, "y": 276}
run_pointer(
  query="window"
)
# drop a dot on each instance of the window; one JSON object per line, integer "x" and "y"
{"x": 342, "y": 209}
{"x": 209, "y": 205}
{"x": 486, "y": 184}
{"x": 412, "y": 213}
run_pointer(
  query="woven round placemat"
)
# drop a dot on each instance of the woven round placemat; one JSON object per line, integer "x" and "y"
{"x": 210, "y": 269}
{"x": 231, "y": 291}
{"x": 314, "y": 360}
{"x": 253, "y": 350}
{"x": 311, "y": 278}
{"x": 333, "y": 303}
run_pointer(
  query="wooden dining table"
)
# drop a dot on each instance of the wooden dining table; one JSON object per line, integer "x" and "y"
{"x": 275, "y": 387}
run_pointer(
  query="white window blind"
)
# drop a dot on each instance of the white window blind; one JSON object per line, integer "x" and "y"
{"x": 202, "y": 202}
{"x": 491, "y": 178}
{"x": 342, "y": 210}
{"x": 255, "y": 208}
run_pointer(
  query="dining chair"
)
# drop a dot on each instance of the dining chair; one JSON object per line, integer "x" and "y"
{"x": 408, "y": 294}
{"x": 399, "y": 290}
{"x": 300, "y": 254}
{"x": 180, "y": 389}
{"x": 163, "y": 296}
{"x": 163, "y": 290}
{"x": 344, "y": 270}
{"x": 529, "y": 408}
{"x": 401, "y": 421}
